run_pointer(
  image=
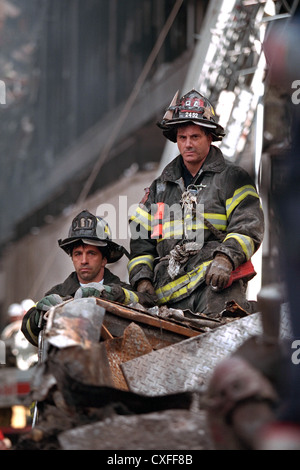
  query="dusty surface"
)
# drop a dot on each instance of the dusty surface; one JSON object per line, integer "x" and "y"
{"x": 163, "y": 430}
{"x": 167, "y": 430}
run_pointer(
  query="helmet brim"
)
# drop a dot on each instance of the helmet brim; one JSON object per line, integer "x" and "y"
{"x": 113, "y": 251}
{"x": 170, "y": 128}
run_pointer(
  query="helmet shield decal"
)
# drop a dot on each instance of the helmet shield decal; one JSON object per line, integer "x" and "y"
{"x": 193, "y": 105}
{"x": 84, "y": 224}
{"x": 89, "y": 229}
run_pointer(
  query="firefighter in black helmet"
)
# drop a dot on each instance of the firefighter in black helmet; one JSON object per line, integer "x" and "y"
{"x": 199, "y": 221}
{"x": 90, "y": 246}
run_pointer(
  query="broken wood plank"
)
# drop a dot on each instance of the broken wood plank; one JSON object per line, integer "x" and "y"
{"x": 133, "y": 315}
{"x": 158, "y": 338}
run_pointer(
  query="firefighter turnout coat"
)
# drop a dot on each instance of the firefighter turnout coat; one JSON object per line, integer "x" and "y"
{"x": 229, "y": 201}
{"x": 67, "y": 290}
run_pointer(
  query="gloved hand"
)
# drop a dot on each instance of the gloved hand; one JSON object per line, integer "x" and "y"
{"x": 49, "y": 301}
{"x": 147, "y": 300}
{"x": 218, "y": 272}
{"x": 146, "y": 287}
{"x": 113, "y": 292}
{"x": 87, "y": 292}
{"x": 44, "y": 305}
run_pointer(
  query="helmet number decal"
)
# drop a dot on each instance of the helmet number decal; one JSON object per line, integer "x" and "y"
{"x": 191, "y": 115}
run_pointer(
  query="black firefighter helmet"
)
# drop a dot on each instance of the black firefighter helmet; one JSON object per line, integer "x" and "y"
{"x": 192, "y": 107}
{"x": 92, "y": 230}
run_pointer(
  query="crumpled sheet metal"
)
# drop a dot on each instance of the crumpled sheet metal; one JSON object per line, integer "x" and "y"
{"x": 132, "y": 344}
{"x": 74, "y": 323}
{"x": 187, "y": 366}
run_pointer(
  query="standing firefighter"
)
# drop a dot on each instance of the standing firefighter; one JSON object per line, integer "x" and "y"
{"x": 90, "y": 246}
{"x": 199, "y": 220}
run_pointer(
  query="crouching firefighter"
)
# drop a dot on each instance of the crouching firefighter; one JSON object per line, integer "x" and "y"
{"x": 200, "y": 222}
{"x": 91, "y": 248}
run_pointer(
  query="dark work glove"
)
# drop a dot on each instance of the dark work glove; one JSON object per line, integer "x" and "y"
{"x": 44, "y": 305}
{"x": 114, "y": 293}
{"x": 147, "y": 300}
{"x": 87, "y": 292}
{"x": 218, "y": 272}
{"x": 145, "y": 287}
{"x": 49, "y": 301}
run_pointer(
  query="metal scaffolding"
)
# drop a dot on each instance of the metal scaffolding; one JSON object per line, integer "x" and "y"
{"x": 228, "y": 66}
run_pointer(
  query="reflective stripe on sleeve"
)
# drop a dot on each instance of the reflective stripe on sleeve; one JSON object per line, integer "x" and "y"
{"x": 145, "y": 259}
{"x": 143, "y": 218}
{"x": 130, "y": 297}
{"x": 238, "y": 196}
{"x": 245, "y": 242}
{"x": 219, "y": 221}
{"x": 183, "y": 285}
{"x": 31, "y": 334}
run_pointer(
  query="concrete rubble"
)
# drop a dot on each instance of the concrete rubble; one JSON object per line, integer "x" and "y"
{"x": 95, "y": 395}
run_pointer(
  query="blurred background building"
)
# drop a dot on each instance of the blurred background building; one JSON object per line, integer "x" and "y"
{"x": 85, "y": 83}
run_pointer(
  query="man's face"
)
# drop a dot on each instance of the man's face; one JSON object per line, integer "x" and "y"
{"x": 89, "y": 263}
{"x": 193, "y": 145}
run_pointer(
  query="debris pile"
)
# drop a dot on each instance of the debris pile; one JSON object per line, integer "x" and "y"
{"x": 83, "y": 399}
{"x": 112, "y": 377}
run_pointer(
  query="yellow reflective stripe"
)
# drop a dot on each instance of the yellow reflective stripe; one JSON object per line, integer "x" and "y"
{"x": 175, "y": 289}
{"x": 143, "y": 218}
{"x": 238, "y": 196}
{"x": 130, "y": 297}
{"x": 32, "y": 335}
{"x": 245, "y": 242}
{"x": 218, "y": 220}
{"x": 174, "y": 229}
{"x": 145, "y": 259}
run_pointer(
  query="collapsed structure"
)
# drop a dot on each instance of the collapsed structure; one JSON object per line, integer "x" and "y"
{"x": 150, "y": 372}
